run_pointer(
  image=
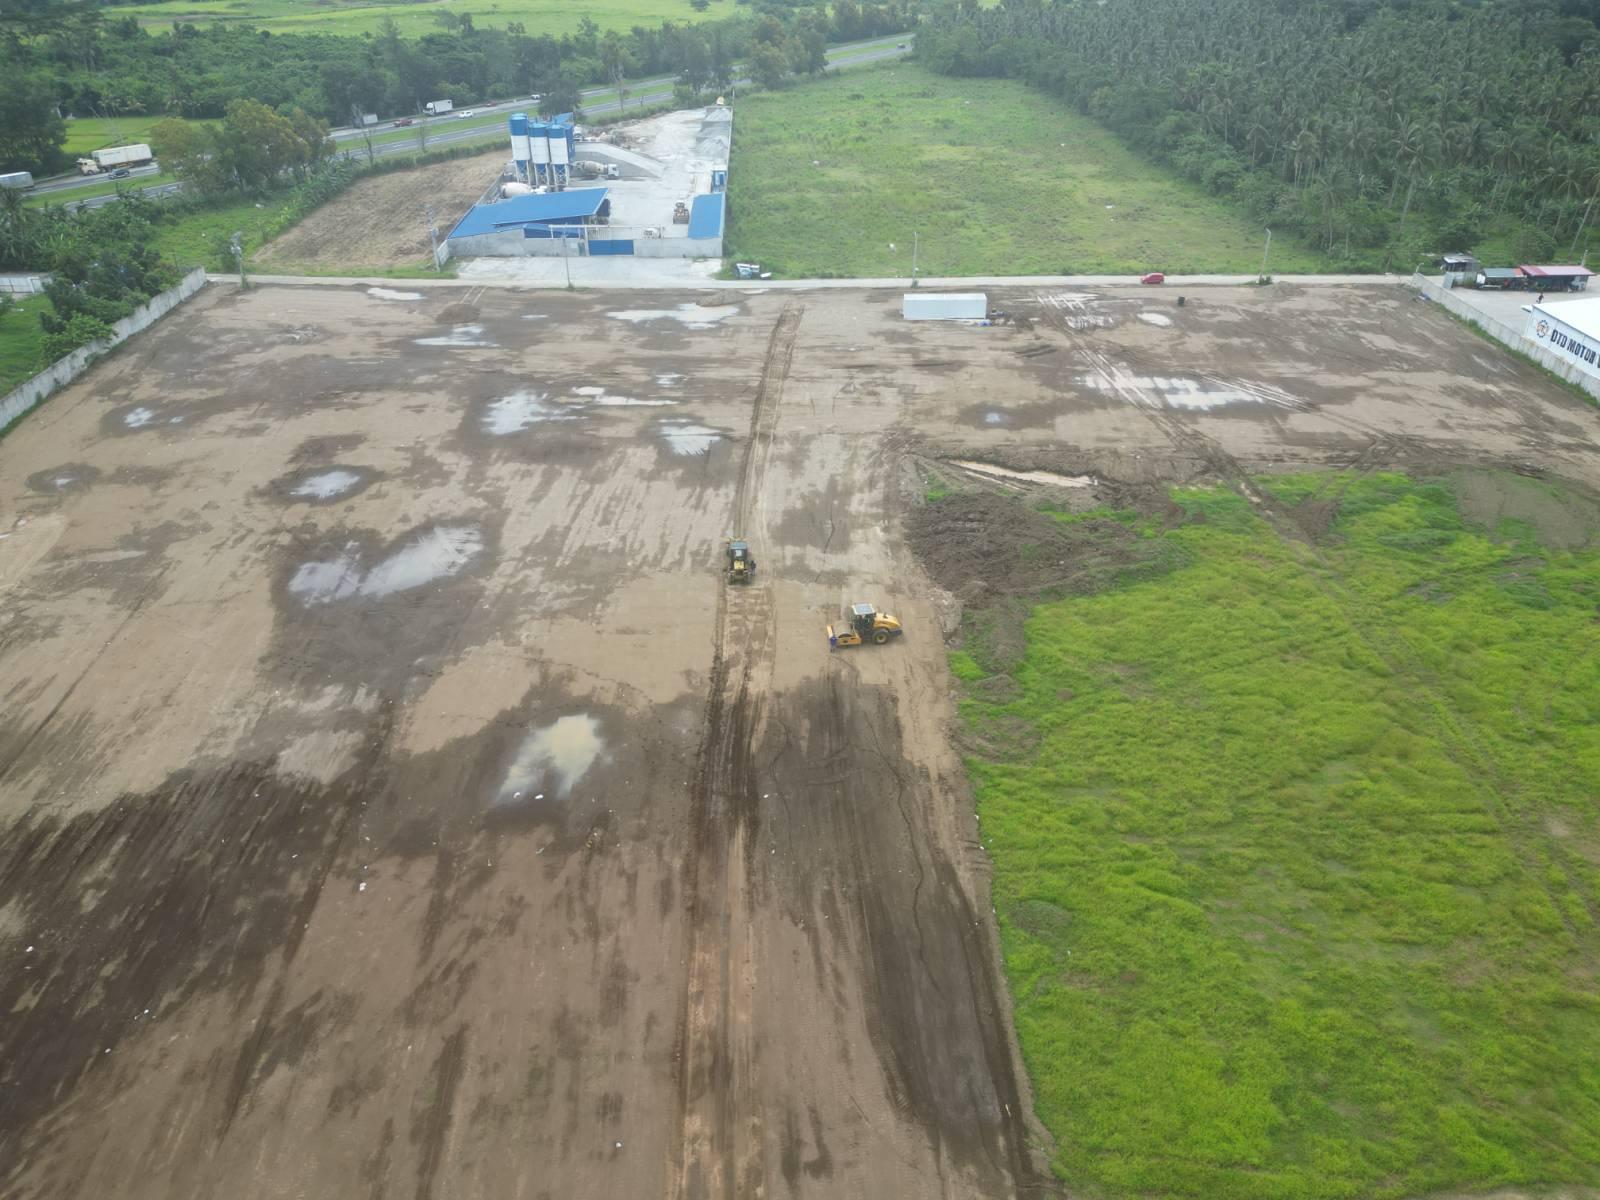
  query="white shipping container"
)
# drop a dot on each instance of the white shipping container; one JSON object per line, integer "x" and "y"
{"x": 945, "y": 306}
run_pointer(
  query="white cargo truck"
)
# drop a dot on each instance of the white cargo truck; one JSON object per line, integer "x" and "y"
{"x": 21, "y": 180}
{"x": 118, "y": 156}
{"x": 435, "y": 107}
{"x": 945, "y": 306}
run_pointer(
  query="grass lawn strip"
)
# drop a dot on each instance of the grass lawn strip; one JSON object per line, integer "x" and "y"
{"x": 831, "y": 178}
{"x": 20, "y": 339}
{"x": 1296, "y": 849}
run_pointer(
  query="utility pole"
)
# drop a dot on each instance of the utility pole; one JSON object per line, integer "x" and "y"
{"x": 1262, "y": 277}
{"x": 913, "y": 258}
{"x": 236, "y": 244}
{"x": 433, "y": 235}
{"x": 565, "y": 262}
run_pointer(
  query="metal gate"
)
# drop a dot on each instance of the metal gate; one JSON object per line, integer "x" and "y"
{"x": 610, "y": 246}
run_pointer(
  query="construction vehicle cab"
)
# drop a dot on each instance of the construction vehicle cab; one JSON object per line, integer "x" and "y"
{"x": 741, "y": 563}
{"x": 866, "y": 624}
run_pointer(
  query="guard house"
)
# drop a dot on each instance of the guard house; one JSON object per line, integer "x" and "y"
{"x": 1556, "y": 278}
{"x": 1459, "y": 268}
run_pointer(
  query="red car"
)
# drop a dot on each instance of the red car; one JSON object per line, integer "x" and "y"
{"x": 1153, "y": 277}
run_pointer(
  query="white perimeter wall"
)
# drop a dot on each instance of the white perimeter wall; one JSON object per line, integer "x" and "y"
{"x": 63, "y": 371}
{"x": 513, "y": 245}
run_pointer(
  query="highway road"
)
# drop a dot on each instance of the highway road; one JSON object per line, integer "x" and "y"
{"x": 486, "y": 122}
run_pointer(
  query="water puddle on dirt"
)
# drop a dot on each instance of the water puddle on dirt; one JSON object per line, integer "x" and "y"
{"x": 138, "y": 418}
{"x": 1160, "y": 320}
{"x": 1176, "y": 391}
{"x": 382, "y": 293}
{"x": 519, "y": 411}
{"x": 605, "y": 399}
{"x": 693, "y": 316}
{"x": 554, "y": 758}
{"x": 459, "y": 335}
{"x": 434, "y": 554}
{"x": 326, "y": 485}
{"x": 1050, "y": 477}
{"x": 668, "y": 380}
{"x": 687, "y": 439}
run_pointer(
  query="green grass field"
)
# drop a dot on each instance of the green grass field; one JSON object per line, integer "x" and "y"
{"x": 1298, "y": 874}
{"x": 96, "y": 133}
{"x": 340, "y": 17}
{"x": 20, "y": 338}
{"x": 995, "y": 178}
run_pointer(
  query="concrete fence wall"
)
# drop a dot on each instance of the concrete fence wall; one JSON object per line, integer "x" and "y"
{"x": 23, "y": 285}
{"x": 63, "y": 371}
{"x": 1504, "y": 333}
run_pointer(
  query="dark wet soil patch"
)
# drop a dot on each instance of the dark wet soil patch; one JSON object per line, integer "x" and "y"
{"x": 67, "y": 478}
{"x": 998, "y": 556}
{"x": 999, "y": 415}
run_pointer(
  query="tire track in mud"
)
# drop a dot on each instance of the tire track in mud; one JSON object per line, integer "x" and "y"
{"x": 715, "y": 1156}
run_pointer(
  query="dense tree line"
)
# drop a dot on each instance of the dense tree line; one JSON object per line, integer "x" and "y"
{"x": 60, "y": 57}
{"x": 1379, "y": 129}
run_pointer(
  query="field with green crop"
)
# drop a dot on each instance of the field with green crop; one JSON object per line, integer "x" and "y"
{"x": 1297, "y": 844}
{"x": 20, "y": 338}
{"x": 834, "y": 177}
{"x": 96, "y": 133}
{"x": 341, "y": 17}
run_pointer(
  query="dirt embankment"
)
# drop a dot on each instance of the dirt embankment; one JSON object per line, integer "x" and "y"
{"x": 381, "y": 221}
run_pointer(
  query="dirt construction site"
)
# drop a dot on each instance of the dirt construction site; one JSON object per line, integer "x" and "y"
{"x": 395, "y": 800}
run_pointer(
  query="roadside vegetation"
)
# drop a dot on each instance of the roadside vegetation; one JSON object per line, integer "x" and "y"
{"x": 1382, "y": 131}
{"x": 833, "y": 177}
{"x": 65, "y": 58}
{"x": 1296, "y": 834}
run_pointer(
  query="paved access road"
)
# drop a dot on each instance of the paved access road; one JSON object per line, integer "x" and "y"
{"x": 487, "y": 124}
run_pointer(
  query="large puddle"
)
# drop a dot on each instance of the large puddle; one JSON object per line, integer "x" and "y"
{"x": 325, "y": 485}
{"x": 521, "y": 410}
{"x": 693, "y": 316}
{"x": 551, "y": 761}
{"x": 1050, "y": 477}
{"x": 1178, "y": 391}
{"x": 605, "y": 399}
{"x": 459, "y": 335}
{"x": 434, "y": 554}
{"x": 383, "y": 293}
{"x": 1160, "y": 320}
{"x": 687, "y": 439}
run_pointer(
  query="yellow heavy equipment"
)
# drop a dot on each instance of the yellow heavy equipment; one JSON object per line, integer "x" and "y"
{"x": 741, "y": 563}
{"x": 867, "y": 624}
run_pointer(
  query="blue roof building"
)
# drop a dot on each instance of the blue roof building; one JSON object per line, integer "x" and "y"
{"x": 576, "y": 207}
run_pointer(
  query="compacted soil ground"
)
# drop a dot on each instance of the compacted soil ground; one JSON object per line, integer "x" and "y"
{"x": 395, "y": 801}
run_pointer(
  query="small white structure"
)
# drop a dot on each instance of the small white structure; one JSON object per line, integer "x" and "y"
{"x": 1569, "y": 330}
{"x": 945, "y": 306}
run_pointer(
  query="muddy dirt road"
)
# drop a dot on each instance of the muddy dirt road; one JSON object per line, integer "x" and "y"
{"x": 395, "y": 802}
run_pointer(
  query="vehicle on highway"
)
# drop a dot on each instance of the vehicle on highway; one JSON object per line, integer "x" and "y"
{"x": 462, "y": 116}
{"x": 121, "y": 173}
{"x": 1153, "y": 277}
{"x": 21, "y": 180}
{"x": 404, "y": 121}
{"x": 116, "y": 156}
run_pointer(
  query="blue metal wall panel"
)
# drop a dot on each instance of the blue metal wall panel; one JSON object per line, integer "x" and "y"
{"x": 611, "y": 246}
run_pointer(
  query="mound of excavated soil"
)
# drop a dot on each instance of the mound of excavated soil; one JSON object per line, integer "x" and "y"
{"x": 983, "y": 546}
{"x": 380, "y": 221}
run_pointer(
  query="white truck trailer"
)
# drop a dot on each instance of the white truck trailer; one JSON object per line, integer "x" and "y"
{"x": 118, "y": 156}
{"x": 436, "y": 107}
{"x": 21, "y": 180}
